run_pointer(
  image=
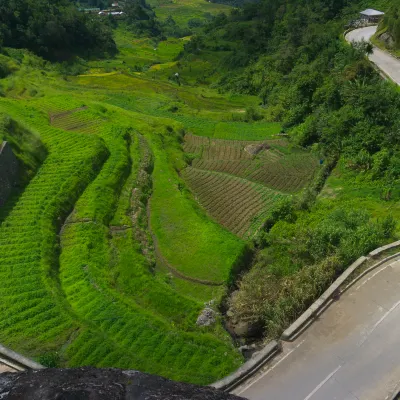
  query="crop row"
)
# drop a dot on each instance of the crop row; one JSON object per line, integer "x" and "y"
{"x": 77, "y": 121}
{"x": 32, "y": 315}
{"x": 57, "y": 104}
{"x": 138, "y": 331}
{"x": 289, "y": 174}
{"x": 195, "y": 140}
{"x": 232, "y": 201}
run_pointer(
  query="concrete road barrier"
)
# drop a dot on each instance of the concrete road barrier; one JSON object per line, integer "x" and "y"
{"x": 318, "y": 305}
{"x": 17, "y": 361}
{"x": 322, "y": 301}
{"x": 380, "y": 250}
{"x": 258, "y": 360}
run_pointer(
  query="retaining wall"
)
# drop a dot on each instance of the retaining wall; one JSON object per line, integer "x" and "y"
{"x": 8, "y": 171}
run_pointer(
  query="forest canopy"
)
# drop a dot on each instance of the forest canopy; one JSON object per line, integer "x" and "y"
{"x": 54, "y": 30}
{"x": 326, "y": 93}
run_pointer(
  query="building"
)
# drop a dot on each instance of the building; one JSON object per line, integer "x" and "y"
{"x": 115, "y": 14}
{"x": 371, "y": 16}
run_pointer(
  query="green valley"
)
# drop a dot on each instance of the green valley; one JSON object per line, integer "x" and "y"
{"x": 234, "y": 159}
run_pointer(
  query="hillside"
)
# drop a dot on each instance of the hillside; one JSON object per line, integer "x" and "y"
{"x": 327, "y": 97}
{"x": 388, "y": 33}
{"x": 239, "y": 169}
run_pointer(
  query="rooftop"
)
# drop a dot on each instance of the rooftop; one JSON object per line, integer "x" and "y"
{"x": 372, "y": 13}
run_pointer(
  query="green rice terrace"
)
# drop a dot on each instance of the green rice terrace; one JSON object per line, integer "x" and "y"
{"x": 151, "y": 189}
{"x": 163, "y": 174}
{"x": 137, "y": 216}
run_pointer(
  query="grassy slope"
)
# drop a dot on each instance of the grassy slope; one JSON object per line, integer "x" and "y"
{"x": 86, "y": 284}
{"x": 99, "y": 302}
{"x": 184, "y": 10}
{"x": 347, "y": 188}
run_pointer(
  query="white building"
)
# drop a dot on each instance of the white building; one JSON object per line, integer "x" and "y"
{"x": 372, "y": 16}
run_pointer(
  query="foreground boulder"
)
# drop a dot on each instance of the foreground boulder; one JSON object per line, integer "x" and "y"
{"x": 99, "y": 384}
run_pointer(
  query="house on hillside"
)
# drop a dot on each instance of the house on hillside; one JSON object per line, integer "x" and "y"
{"x": 371, "y": 16}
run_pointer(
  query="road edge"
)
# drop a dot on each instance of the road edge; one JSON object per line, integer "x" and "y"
{"x": 273, "y": 348}
{"x": 17, "y": 361}
{"x": 249, "y": 367}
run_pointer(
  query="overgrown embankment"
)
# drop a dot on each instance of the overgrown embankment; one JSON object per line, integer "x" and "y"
{"x": 21, "y": 153}
{"x": 388, "y": 33}
{"x": 8, "y": 172}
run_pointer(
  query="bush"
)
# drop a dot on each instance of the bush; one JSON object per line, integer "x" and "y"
{"x": 50, "y": 360}
{"x": 302, "y": 258}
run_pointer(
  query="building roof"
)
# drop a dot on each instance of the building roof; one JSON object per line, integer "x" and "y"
{"x": 372, "y": 13}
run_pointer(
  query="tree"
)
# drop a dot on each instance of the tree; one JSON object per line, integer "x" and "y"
{"x": 56, "y": 30}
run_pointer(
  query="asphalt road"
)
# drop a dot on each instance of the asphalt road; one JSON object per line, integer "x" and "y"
{"x": 387, "y": 63}
{"x": 351, "y": 352}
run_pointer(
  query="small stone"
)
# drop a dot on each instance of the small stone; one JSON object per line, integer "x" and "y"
{"x": 207, "y": 317}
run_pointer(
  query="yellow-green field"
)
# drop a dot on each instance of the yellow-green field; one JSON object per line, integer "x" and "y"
{"x": 184, "y": 10}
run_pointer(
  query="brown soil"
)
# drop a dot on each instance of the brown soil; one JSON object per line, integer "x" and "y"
{"x": 65, "y": 113}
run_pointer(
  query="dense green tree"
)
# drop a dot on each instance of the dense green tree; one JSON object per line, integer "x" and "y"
{"x": 289, "y": 53}
{"x": 141, "y": 18}
{"x": 55, "y": 30}
{"x": 391, "y": 22}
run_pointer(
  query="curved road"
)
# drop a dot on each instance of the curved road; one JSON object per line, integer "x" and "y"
{"x": 352, "y": 352}
{"x": 387, "y": 63}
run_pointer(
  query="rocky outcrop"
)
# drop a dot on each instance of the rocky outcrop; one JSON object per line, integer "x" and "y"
{"x": 207, "y": 317}
{"x": 387, "y": 38}
{"x": 8, "y": 172}
{"x": 100, "y": 384}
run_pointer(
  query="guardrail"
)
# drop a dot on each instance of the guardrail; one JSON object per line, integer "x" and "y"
{"x": 333, "y": 290}
{"x": 17, "y": 361}
{"x": 249, "y": 367}
{"x": 313, "y": 310}
{"x": 297, "y": 327}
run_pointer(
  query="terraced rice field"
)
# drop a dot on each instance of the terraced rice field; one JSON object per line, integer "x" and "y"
{"x": 106, "y": 257}
{"x": 78, "y": 120}
{"x": 238, "y": 204}
{"x": 239, "y": 182}
{"x": 76, "y": 275}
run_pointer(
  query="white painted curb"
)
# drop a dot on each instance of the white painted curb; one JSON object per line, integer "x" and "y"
{"x": 17, "y": 361}
{"x": 248, "y": 368}
{"x": 273, "y": 348}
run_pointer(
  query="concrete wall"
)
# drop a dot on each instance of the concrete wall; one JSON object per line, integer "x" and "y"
{"x": 8, "y": 171}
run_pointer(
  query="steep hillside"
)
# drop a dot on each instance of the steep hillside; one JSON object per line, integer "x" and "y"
{"x": 256, "y": 158}
{"x": 329, "y": 98}
{"x": 26, "y": 146}
{"x": 388, "y": 34}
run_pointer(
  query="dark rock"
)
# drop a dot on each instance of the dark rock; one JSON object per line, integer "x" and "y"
{"x": 100, "y": 384}
{"x": 388, "y": 39}
{"x": 206, "y": 317}
{"x": 248, "y": 329}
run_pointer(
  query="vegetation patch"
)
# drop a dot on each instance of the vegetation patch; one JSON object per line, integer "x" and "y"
{"x": 261, "y": 147}
{"x": 240, "y": 182}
